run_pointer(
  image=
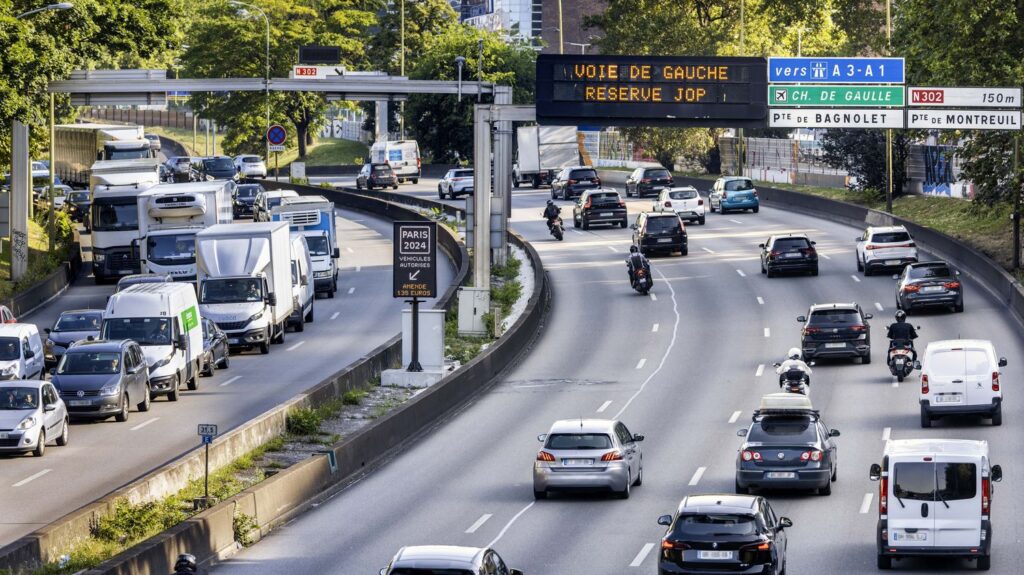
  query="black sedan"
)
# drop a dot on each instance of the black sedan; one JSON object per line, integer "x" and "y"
{"x": 836, "y": 330}
{"x": 376, "y": 176}
{"x": 656, "y": 232}
{"x": 571, "y": 182}
{"x": 244, "y": 197}
{"x": 724, "y": 534}
{"x": 929, "y": 284}
{"x": 77, "y": 204}
{"x": 600, "y": 206}
{"x": 215, "y": 348}
{"x": 788, "y": 253}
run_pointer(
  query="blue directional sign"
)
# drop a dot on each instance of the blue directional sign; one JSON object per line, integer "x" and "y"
{"x": 276, "y": 135}
{"x": 836, "y": 70}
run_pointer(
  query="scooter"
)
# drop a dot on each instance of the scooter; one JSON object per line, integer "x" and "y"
{"x": 642, "y": 281}
{"x": 557, "y": 229}
{"x": 900, "y": 362}
{"x": 794, "y": 381}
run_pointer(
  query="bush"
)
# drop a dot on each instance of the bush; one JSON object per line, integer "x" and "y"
{"x": 304, "y": 421}
{"x": 353, "y": 397}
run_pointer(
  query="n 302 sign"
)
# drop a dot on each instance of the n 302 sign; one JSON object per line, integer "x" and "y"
{"x": 964, "y": 97}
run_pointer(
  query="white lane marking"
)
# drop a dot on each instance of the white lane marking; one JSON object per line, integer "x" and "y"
{"x": 351, "y": 290}
{"x": 886, "y": 433}
{"x": 760, "y": 370}
{"x": 335, "y": 315}
{"x": 855, "y": 278}
{"x": 479, "y": 523}
{"x": 735, "y": 415}
{"x": 654, "y": 328}
{"x": 296, "y": 346}
{"x": 767, "y": 332}
{"x": 895, "y": 382}
{"x": 143, "y": 424}
{"x": 654, "y": 297}
{"x": 742, "y": 275}
{"x": 644, "y": 552}
{"x": 825, "y": 256}
{"x": 640, "y": 364}
{"x": 575, "y": 231}
{"x": 613, "y": 249}
{"x": 32, "y": 478}
{"x": 510, "y": 522}
{"x": 760, "y": 300}
{"x": 865, "y": 505}
{"x": 359, "y": 268}
{"x": 879, "y": 307}
{"x": 349, "y": 250}
{"x": 604, "y": 406}
{"x": 230, "y": 381}
{"x": 707, "y": 250}
{"x": 735, "y": 221}
{"x": 697, "y": 475}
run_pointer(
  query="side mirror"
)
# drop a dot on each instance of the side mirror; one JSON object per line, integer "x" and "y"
{"x": 665, "y": 520}
{"x": 812, "y": 363}
{"x": 996, "y": 474}
{"x": 53, "y": 371}
{"x": 777, "y": 364}
{"x": 875, "y": 473}
{"x": 814, "y": 243}
{"x": 857, "y": 239}
{"x": 801, "y": 318}
{"x": 46, "y": 330}
{"x": 383, "y": 571}
{"x": 90, "y": 338}
{"x": 785, "y": 522}
{"x": 272, "y": 299}
{"x": 917, "y": 365}
{"x": 741, "y": 433}
{"x": 638, "y": 438}
{"x": 896, "y": 277}
{"x": 868, "y": 316}
{"x": 336, "y": 253}
{"x": 181, "y": 342}
{"x": 1002, "y": 362}
{"x": 632, "y": 227}
{"x": 760, "y": 246}
{"x": 50, "y": 407}
{"x": 542, "y": 437}
{"x": 833, "y": 433}
{"x": 29, "y": 354}
{"x": 304, "y": 279}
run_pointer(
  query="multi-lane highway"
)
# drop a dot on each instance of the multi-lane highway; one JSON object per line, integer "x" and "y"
{"x": 105, "y": 455}
{"x": 684, "y": 367}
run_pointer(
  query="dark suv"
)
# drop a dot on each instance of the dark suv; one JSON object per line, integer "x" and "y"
{"x": 218, "y": 168}
{"x": 929, "y": 284}
{"x": 376, "y": 176}
{"x": 571, "y": 182}
{"x": 839, "y": 330}
{"x": 788, "y": 253}
{"x": 645, "y": 181}
{"x": 656, "y": 232}
{"x": 723, "y": 534}
{"x": 600, "y": 206}
{"x": 244, "y": 197}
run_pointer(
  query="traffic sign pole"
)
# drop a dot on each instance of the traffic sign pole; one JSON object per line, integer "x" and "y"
{"x": 414, "y": 363}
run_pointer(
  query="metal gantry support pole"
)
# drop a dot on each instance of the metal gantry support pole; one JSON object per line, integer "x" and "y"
{"x": 1016, "y": 200}
{"x": 502, "y": 205}
{"x": 482, "y": 196}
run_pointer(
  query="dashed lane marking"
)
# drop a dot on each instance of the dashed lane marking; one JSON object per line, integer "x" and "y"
{"x": 735, "y": 415}
{"x": 760, "y": 300}
{"x": 742, "y": 275}
{"x": 886, "y": 433}
{"x": 644, "y": 552}
{"x": 697, "y": 475}
{"x": 865, "y": 505}
{"x": 879, "y": 307}
{"x": 32, "y": 477}
{"x": 604, "y": 406}
{"x": 144, "y": 424}
{"x": 351, "y": 290}
{"x": 479, "y": 523}
{"x": 230, "y": 381}
{"x": 760, "y": 370}
{"x": 654, "y": 328}
{"x": 296, "y": 346}
{"x": 855, "y": 278}
{"x": 640, "y": 364}
{"x": 335, "y": 315}
{"x": 767, "y": 332}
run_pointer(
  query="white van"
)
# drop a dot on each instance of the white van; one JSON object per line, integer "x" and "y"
{"x": 961, "y": 376}
{"x": 934, "y": 499}
{"x": 303, "y": 291}
{"x": 164, "y": 319}
{"x": 21, "y": 352}
{"x": 402, "y": 155}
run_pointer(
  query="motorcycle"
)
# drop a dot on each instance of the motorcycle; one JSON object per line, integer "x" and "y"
{"x": 901, "y": 363}
{"x": 794, "y": 380}
{"x": 642, "y": 280}
{"x": 556, "y": 228}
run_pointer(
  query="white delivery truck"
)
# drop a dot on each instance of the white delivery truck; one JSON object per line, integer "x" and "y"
{"x": 402, "y": 155}
{"x": 542, "y": 151}
{"x": 245, "y": 281}
{"x": 164, "y": 319}
{"x": 170, "y": 215}
{"x": 302, "y": 289}
{"x": 313, "y": 218}
{"x": 78, "y": 146}
{"x": 115, "y": 186}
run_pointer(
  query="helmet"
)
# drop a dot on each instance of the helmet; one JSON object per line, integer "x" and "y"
{"x": 633, "y": 249}
{"x": 794, "y": 353}
{"x": 186, "y": 563}
{"x": 901, "y": 315}
{"x": 551, "y": 202}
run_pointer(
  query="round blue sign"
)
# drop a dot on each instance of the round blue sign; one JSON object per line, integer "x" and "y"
{"x": 276, "y": 135}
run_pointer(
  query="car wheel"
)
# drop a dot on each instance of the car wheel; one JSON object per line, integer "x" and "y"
{"x": 624, "y": 494}
{"x": 884, "y": 562}
{"x": 685, "y": 251}
{"x": 959, "y": 308}
{"x": 440, "y": 192}
{"x": 225, "y": 362}
{"x": 207, "y": 370}
{"x": 63, "y": 439}
{"x": 40, "y": 445}
{"x": 175, "y": 390}
{"x": 565, "y": 194}
{"x": 763, "y": 271}
{"x": 280, "y": 336}
{"x": 415, "y": 181}
{"x": 122, "y": 416}
{"x": 700, "y": 220}
{"x": 926, "y": 420}
{"x": 394, "y": 186}
{"x": 538, "y": 495}
{"x": 144, "y": 406}
{"x": 625, "y": 224}
{"x": 640, "y": 475}
{"x": 711, "y": 206}
{"x": 866, "y": 359}
{"x": 552, "y": 192}
{"x": 984, "y": 562}
{"x": 860, "y": 266}
{"x": 741, "y": 490}
{"x": 835, "y": 474}
{"x": 814, "y": 271}
{"x": 301, "y": 325}
{"x": 769, "y": 273}
{"x": 757, "y": 209}
{"x": 575, "y": 222}
{"x": 827, "y": 490}
{"x": 997, "y": 416}
{"x": 193, "y": 382}
{"x": 584, "y": 222}
{"x": 358, "y": 185}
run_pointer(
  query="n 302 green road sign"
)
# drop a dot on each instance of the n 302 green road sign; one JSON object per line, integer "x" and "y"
{"x": 839, "y": 96}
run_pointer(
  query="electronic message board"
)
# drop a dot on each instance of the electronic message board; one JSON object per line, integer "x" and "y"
{"x": 683, "y": 91}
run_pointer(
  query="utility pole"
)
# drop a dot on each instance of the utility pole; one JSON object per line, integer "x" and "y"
{"x": 1016, "y": 201}
{"x": 888, "y": 132}
{"x": 401, "y": 105}
{"x": 561, "y": 37}
{"x": 741, "y": 148}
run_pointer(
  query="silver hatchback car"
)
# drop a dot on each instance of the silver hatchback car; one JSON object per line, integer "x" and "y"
{"x": 588, "y": 454}
{"x": 444, "y": 559}
{"x": 31, "y": 415}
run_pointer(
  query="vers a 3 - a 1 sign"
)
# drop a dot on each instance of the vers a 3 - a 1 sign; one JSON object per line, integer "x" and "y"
{"x": 651, "y": 90}
{"x": 935, "y": 97}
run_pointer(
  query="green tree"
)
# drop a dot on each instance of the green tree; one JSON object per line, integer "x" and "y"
{"x": 862, "y": 154}
{"x": 423, "y": 19}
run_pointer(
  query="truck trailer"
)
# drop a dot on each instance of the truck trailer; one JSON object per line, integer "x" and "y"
{"x": 78, "y": 146}
{"x": 115, "y": 186}
{"x": 542, "y": 152}
{"x": 313, "y": 218}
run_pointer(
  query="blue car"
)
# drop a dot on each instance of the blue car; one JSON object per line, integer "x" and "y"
{"x": 733, "y": 193}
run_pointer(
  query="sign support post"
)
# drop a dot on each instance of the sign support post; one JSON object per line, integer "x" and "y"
{"x": 207, "y": 432}
{"x": 414, "y": 365}
{"x": 415, "y": 273}
{"x": 276, "y": 137}
{"x": 1016, "y": 201}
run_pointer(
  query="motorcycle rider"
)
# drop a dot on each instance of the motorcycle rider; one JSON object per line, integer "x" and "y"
{"x": 552, "y": 213}
{"x": 635, "y": 261}
{"x": 902, "y": 334}
{"x": 793, "y": 362}
{"x": 185, "y": 565}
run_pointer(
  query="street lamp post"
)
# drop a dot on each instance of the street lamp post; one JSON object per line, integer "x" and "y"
{"x": 266, "y": 79}
{"x": 583, "y": 46}
{"x": 59, "y": 6}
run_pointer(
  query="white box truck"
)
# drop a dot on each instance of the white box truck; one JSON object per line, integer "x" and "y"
{"x": 313, "y": 218}
{"x": 170, "y": 215}
{"x": 78, "y": 146}
{"x": 244, "y": 275}
{"x": 302, "y": 289}
{"x": 402, "y": 155}
{"x": 542, "y": 151}
{"x": 164, "y": 319}
{"x": 115, "y": 186}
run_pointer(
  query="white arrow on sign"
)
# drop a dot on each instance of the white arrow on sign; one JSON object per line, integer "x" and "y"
{"x": 414, "y": 274}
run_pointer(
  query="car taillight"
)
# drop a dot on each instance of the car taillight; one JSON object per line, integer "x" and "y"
{"x": 773, "y": 254}
{"x": 871, "y": 247}
{"x": 588, "y": 204}
{"x": 810, "y": 330}
{"x": 911, "y": 288}
{"x": 751, "y": 455}
{"x": 924, "y": 383}
{"x": 812, "y": 455}
{"x": 612, "y": 456}
{"x": 545, "y": 456}
{"x": 755, "y": 193}
{"x": 995, "y": 381}
{"x": 986, "y": 494}
{"x": 667, "y": 545}
{"x": 764, "y": 546}
{"x": 645, "y": 181}
{"x": 700, "y": 202}
{"x": 859, "y": 327}
{"x": 622, "y": 204}
{"x": 570, "y": 182}
{"x": 668, "y": 204}
{"x": 419, "y": 163}
{"x": 597, "y": 181}
{"x": 951, "y": 285}
{"x": 883, "y": 496}
{"x": 725, "y": 195}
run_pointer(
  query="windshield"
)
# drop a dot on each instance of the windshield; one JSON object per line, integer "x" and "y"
{"x": 78, "y": 322}
{"x": 790, "y": 245}
{"x": 578, "y": 441}
{"x": 10, "y": 349}
{"x": 660, "y": 225}
{"x": 787, "y": 429}
{"x": 80, "y": 362}
{"x": 658, "y": 174}
{"x": 683, "y": 195}
{"x": 172, "y": 249}
{"x": 218, "y": 164}
{"x": 274, "y": 202}
{"x": 144, "y": 330}
{"x": 462, "y": 174}
{"x": 702, "y": 524}
{"x": 251, "y": 160}
{"x": 318, "y": 245}
{"x": 935, "y": 481}
{"x": 248, "y": 191}
{"x": 127, "y": 154}
{"x": 927, "y": 272}
{"x": 19, "y": 398}
{"x": 835, "y": 317}
{"x": 382, "y": 169}
{"x": 428, "y": 571}
{"x": 114, "y": 214}
{"x": 231, "y": 290}
{"x": 890, "y": 237}
{"x": 738, "y": 185}
{"x": 78, "y": 196}
{"x": 955, "y": 363}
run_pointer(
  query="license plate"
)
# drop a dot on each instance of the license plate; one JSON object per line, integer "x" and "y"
{"x": 947, "y": 399}
{"x": 79, "y": 402}
{"x": 718, "y": 555}
{"x": 781, "y": 475}
{"x": 792, "y": 255}
{"x": 932, "y": 289}
{"x": 234, "y": 340}
{"x": 835, "y": 345}
{"x": 606, "y": 214}
{"x": 577, "y": 462}
{"x": 124, "y": 272}
{"x": 665, "y": 240}
{"x": 4, "y": 435}
{"x": 910, "y": 536}
{"x": 892, "y": 262}
{"x": 657, "y": 188}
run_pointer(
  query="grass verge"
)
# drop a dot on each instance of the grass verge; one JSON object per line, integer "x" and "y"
{"x": 41, "y": 262}
{"x": 323, "y": 152}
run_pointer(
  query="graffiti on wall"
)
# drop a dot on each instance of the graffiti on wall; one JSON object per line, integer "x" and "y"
{"x": 940, "y": 177}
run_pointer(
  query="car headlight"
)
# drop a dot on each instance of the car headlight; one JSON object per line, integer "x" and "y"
{"x": 99, "y": 258}
{"x": 27, "y": 423}
{"x": 48, "y": 345}
{"x": 155, "y": 366}
{"x": 323, "y": 274}
{"x": 112, "y": 389}
{"x": 10, "y": 369}
{"x": 256, "y": 316}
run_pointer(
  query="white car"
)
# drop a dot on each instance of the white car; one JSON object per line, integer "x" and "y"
{"x": 251, "y": 166}
{"x": 154, "y": 142}
{"x": 685, "y": 201}
{"x": 31, "y": 415}
{"x": 961, "y": 376}
{"x": 879, "y": 248}
{"x": 455, "y": 183}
